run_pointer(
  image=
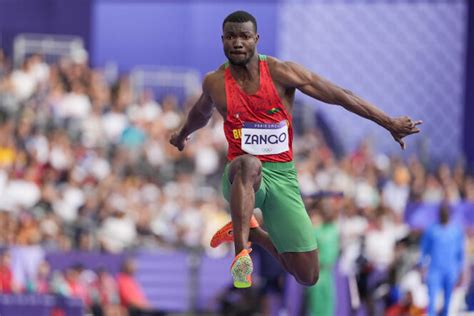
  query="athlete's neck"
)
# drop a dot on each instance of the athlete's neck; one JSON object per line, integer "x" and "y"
{"x": 249, "y": 71}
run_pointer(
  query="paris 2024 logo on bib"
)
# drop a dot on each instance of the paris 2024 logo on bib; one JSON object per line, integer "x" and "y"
{"x": 265, "y": 138}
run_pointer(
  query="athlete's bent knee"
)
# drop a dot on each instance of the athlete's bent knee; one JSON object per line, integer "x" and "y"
{"x": 248, "y": 167}
{"x": 308, "y": 278}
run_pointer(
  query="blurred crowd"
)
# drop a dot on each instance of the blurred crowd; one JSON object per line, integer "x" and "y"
{"x": 85, "y": 164}
{"x": 100, "y": 292}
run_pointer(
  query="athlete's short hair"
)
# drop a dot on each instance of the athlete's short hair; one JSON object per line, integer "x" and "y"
{"x": 240, "y": 17}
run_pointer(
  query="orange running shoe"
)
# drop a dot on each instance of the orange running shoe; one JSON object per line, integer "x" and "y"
{"x": 241, "y": 269}
{"x": 225, "y": 233}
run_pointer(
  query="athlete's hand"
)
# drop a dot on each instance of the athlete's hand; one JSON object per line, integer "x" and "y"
{"x": 403, "y": 126}
{"x": 177, "y": 141}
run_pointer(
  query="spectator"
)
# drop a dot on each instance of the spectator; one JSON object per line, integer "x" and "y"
{"x": 75, "y": 105}
{"x": 75, "y": 285}
{"x": 117, "y": 232}
{"x": 41, "y": 283}
{"x": 131, "y": 294}
{"x": 7, "y": 285}
{"x": 433, "y": 192}
{"x": 442, "y": 251}
{"x": 24, "y": 81}
{"x": 397, "y": 191}
{"x": 28, "y": 231}
{"x": 105, "y": 297}
{"x": 321, "y": 298}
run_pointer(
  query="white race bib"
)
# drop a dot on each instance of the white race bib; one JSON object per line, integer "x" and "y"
{"x": 264, "y": 138}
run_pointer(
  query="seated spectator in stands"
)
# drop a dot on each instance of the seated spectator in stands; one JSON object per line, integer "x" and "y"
{"x": 397, "y": 191}
{"x": 41, "y": 284}
{"x": 117, "y": 232}
{"x": 58, "y": 284}
{"x": 469, "y": 189}
{"x": 28, "y": 232}
{"x": 105, "y": 296}
{"x": 75, "y": 285}
{"x": 7, "y": 284}
{"x": 23, "y": 80}
{"x": 131, "y": 294}
{"x": 450, "y": 187}
{"x": 433, "y": 191}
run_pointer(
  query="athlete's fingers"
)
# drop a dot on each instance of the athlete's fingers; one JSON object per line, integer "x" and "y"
{"x": 418, "y": 122}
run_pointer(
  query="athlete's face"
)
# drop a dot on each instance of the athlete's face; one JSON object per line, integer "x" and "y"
{"x": 240, "y": 40}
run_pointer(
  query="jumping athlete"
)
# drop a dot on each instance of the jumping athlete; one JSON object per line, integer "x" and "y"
{"x": 254, "y": 94}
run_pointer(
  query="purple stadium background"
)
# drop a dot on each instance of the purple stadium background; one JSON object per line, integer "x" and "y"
{"x": 412, "y": 57}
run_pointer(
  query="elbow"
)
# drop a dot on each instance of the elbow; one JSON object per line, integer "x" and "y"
{"x": 205, "y": 117}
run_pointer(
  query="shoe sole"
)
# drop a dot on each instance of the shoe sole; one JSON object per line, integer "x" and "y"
{"x": 242, "y": 278}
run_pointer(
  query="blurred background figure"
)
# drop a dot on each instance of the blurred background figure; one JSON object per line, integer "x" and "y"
{"x": 131, "y": 293}
{"x": 321, "y": 298}
{"x": 271, "y": 282}
{"x": 41, "y": 282}
{"x": 442, "y": 252}
{"x": 7, "y": 284}
{"x": 105, "y": 296}
{"x": 76, "y": 285}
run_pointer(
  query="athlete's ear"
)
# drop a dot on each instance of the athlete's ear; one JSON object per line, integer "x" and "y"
{"x": 222, "y": 38}
{"x": 257, "y": 37}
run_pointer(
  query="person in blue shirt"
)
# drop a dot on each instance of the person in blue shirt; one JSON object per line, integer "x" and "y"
{"x": 442, "y": 250}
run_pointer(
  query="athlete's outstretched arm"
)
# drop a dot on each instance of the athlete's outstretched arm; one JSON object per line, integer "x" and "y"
{"x": 295, "y": 76}
{"x": 198, "y": 117}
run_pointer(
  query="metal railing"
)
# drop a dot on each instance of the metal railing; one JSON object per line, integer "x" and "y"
{"x": 50, "y": 46}
{"x": 163, "y": 80}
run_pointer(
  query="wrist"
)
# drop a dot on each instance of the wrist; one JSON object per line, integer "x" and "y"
{"x": 388, "y": 123}
{"x": 183, "y": 133}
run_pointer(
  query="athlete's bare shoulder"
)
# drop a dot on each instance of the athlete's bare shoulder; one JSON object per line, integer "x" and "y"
{"x": 214, "y": 87}
{"x": 287, "y": 73}
{"x": 283, "y": 75}
{"x": 274, "y": 62}
{"x": 280, "y": 70}
{"x": 213, "y": 80}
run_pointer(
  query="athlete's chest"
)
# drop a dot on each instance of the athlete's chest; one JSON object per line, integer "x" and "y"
{"x": 250, "y": 96}
{"x": 248, "y": 87}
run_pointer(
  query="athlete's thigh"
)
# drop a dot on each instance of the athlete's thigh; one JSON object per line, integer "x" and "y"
{"x": 284, "y": 213}
{"x": 300, "y": 261}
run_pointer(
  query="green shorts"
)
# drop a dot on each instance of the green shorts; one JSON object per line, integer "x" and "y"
{"x": 279, "y": 198}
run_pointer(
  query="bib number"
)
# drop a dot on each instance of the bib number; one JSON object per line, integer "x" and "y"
{"x": 265, "y": 139}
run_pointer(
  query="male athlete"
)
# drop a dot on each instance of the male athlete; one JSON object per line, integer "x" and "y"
{"x": 254, "y": 94}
